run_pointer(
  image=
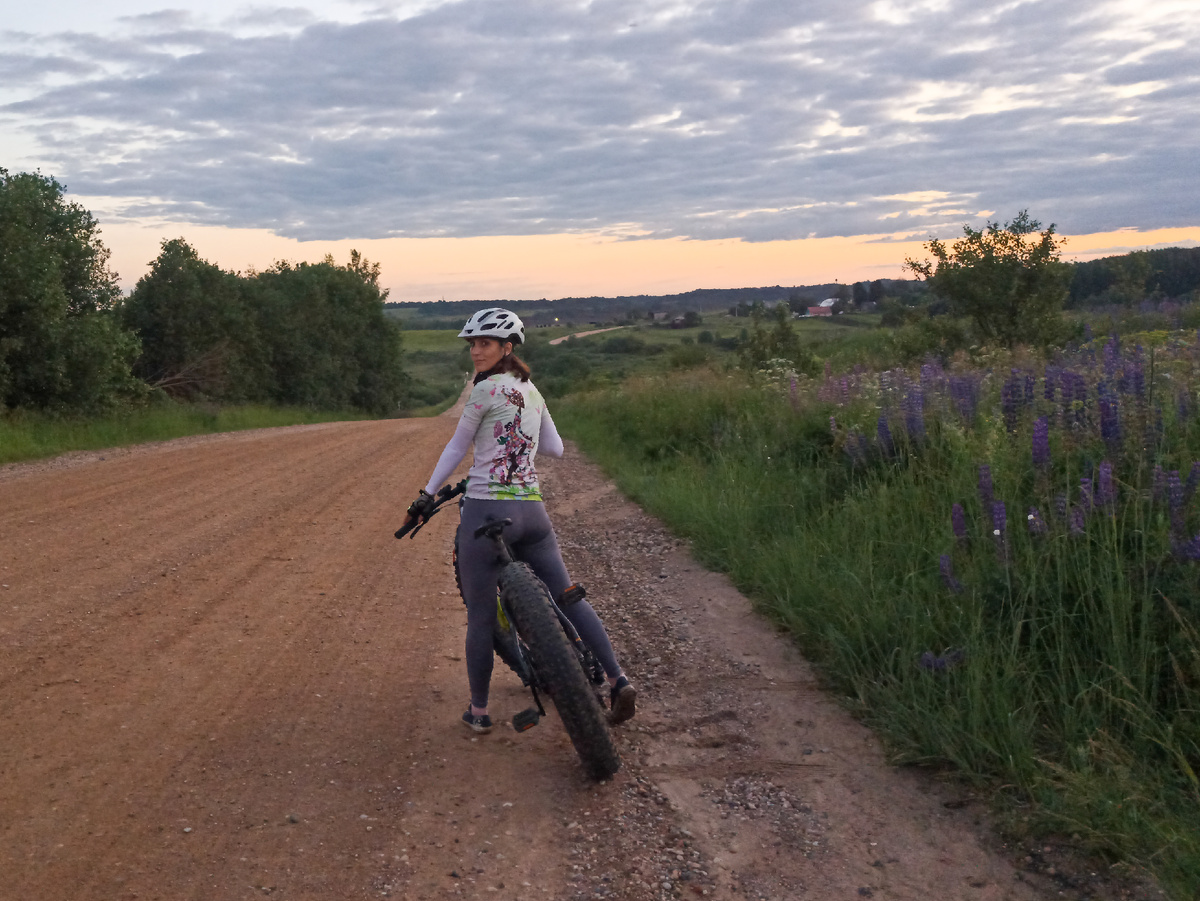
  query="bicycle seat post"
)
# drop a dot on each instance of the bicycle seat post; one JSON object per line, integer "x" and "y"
{"x": 494, "y": 529}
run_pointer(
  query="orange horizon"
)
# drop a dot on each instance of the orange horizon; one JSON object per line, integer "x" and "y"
{"x": 515, "y": 267}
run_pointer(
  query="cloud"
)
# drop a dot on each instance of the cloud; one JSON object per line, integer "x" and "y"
{"x": 752, "y": 119}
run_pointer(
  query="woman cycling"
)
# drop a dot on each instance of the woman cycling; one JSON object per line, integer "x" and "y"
{"x": 506, "y": 422}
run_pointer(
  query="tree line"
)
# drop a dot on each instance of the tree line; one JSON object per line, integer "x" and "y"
{"x": 312, "y": 335}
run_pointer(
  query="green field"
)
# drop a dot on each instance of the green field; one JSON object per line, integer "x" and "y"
{"x": 438, "y": 362}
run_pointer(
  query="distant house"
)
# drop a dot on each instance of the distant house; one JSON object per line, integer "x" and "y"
{"x": 820, "y": 311}
{"x": 679, "y": 322}
{"x": 829, "y": 301}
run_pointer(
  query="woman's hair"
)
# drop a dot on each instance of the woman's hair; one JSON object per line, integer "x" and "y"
{"x": 514, "y": 364}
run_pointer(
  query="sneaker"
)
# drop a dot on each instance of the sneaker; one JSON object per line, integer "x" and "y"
{"x": 623, "y": 700}
{"x": 481, "y": 725}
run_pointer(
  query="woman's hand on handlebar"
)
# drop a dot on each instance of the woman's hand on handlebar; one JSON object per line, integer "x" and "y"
{"x": 420, "y": 510}
{"x": 422, "y": 507}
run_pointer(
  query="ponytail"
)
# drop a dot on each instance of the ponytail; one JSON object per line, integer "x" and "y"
{"x": 515, "y": 365}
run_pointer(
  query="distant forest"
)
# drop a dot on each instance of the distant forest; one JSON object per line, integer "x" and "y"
{"x": 575, "y": 310}
{"x": 1171, "y": 273}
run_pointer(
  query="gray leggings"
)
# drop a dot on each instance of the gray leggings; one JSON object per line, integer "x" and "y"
{"x": 532, "y": 540}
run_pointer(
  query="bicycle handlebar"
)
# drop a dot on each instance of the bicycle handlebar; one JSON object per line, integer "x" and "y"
{"x": 445, "y": 494}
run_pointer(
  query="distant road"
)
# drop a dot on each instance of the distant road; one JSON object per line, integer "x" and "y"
{"x": 594, "y": 331}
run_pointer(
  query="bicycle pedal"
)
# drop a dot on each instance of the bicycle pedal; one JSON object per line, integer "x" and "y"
{"x": 525, "y": 720}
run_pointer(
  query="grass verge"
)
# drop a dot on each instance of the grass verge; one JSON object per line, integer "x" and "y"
{"x": 31, "y": 436}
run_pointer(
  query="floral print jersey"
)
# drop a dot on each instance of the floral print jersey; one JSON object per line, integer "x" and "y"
{"x": 507, "y": 414}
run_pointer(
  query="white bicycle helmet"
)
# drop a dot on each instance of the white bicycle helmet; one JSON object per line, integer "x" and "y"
{"x": 495, "y": 323}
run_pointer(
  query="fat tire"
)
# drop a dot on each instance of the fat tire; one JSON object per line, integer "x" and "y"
{"x": 558, "y": 671}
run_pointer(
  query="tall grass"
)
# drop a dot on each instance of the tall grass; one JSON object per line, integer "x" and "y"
{"x": 30, "y": 436}
{"x": 1041, "y": 638}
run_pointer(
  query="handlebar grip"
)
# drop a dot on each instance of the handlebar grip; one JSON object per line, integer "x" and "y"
{"x": 405, "y": 529}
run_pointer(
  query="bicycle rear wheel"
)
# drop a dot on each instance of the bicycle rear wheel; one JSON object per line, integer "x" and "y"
{"x": 557, "y": 669}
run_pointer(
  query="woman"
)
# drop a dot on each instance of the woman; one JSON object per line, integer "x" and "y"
{"x": 506, "y": 423}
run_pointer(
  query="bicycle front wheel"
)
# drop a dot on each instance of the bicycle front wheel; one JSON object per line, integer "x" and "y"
{"x": 557, "y": 668}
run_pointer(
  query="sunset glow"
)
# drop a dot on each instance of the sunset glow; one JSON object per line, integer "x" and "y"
{"x": 553, "y": 266}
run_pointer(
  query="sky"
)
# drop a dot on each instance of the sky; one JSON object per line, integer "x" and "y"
{"x": 520, "y": 149}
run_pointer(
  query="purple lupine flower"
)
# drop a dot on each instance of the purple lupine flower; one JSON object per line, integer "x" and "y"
{"x": 964, "y": 394}
{"x": 986, "y": 495}
{"x": 1010, "y": 401}
{"x": 1193, "y": 481}
{"x": 832, "y": 426}
{"x": 1175, "y": 489}
{"x": 1081, "y": 388}
{"x": 1030, "y": 384}
{"x": 1112, "y": 353}
{"x": 931, "y": 373}
{"x": 1037, "y": 525}
{"x": 1187, "y": 550}
{"x": 999, "y": 518}
{"x": 1106, "y": 492}
{"x": 1175, "y": 501}
{"x": 1077, "y": 519}
{"x": 958, "y": 522}
{"x": 948, "y": 575}
{"x": 1087, "y": 498}
{"x": 883, "y": 434}
{"x": 1060, "y": 506}
{"x": 914, "y": 414}
{"x": 1137, "y": 374}
{"x": 1041, "y": 443}
{"x": 845, "y": 386}
{"x": 1110, "y": 419}
{"x": 1050, "y": 381}
{"x": 1074, "y": 395}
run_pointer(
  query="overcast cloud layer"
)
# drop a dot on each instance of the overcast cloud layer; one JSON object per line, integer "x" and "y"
{"x": 755, "y": 119}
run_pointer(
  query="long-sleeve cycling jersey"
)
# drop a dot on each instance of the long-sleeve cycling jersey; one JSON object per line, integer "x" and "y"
{"x": 507, "y": 423}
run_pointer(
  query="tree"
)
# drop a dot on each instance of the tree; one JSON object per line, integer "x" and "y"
{"x": 199, "y": 338}
{"x": 799, "y": 303}
{"x": 310, "y": 335}
{"x": 61, "y": 347}
{"x": 779, "y": 342}
{"x": 861, "y": 293}
{"x": 1009, "y": 280}
{"x": 330, "y": 344}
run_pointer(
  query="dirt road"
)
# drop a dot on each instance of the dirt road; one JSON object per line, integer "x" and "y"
{"x": 222, "y": 678}
{"x": 595, "y": 331}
